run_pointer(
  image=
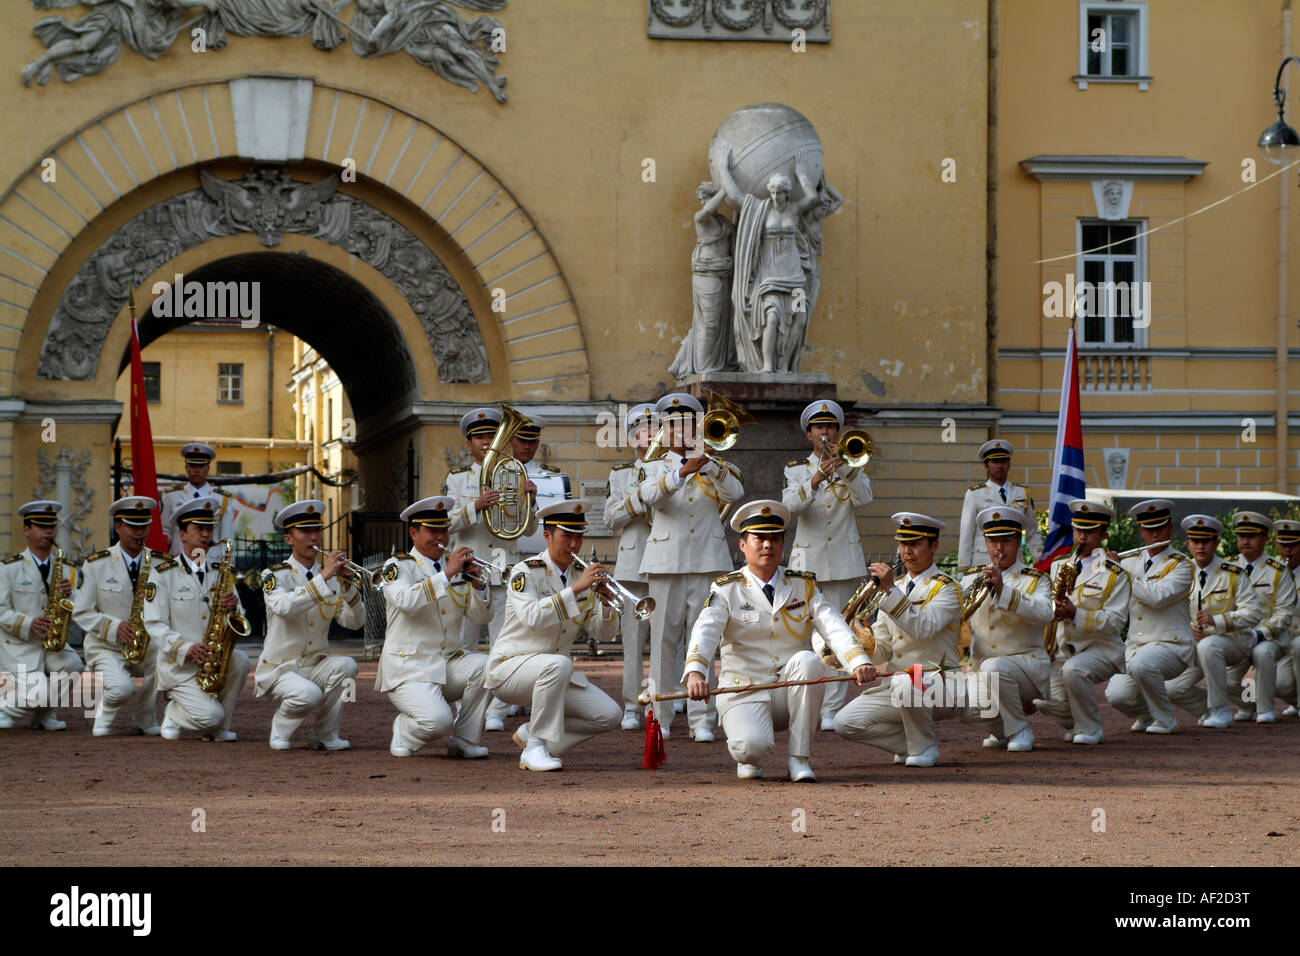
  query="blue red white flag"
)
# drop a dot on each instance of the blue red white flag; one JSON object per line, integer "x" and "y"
{"x": 1067, "y": 464}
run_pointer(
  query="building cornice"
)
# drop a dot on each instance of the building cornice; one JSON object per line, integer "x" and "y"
{"x": 1057, "y": 168}
{"x": 1147, "y": 422}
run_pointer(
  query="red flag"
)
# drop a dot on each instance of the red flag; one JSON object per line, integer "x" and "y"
{"x": 144, "y": 472}
{"x": 1067, "y": 465}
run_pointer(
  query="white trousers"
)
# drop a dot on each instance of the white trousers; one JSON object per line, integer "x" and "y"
{"x": 751, "y": 725}
{"x": 1074, "y": 679}
{"x": 892, "y": 720}
{"x": 1021, "y": 678}
{"x": 191, "y": 708}
{"x": 1142, "y": 692}
{"x": 563, "y": 714}
{"x": 119, "y": 687}
{"x": 1274, "y": 677}
{"x": 633, "y": 634}
{"x": 471, "y": 634}
{"x": 837, "y": 593}
{"x": 319, "y": 688}
{"x": 425, "y": 714}
{"x": 1215, "y": 654}
{"x": 679, "y": 598}
{"x": 50, "y": 686}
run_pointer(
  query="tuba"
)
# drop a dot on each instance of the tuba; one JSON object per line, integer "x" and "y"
{"x": 508, "y": 517}
{"x": 224, "y": 628}
{"x": 58, "y": 609}
{"x": 134, "y": 650}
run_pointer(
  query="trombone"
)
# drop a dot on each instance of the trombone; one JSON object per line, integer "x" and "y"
{"x": 615, "y": 596}
{"x": 855, "y": 448}
{"x": 375, "y": 577}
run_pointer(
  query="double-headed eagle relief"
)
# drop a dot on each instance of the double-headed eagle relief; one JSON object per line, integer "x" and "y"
{"x": 429, "y": 31}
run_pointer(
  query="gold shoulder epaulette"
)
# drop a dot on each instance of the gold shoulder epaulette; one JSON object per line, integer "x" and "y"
{"x": 940, "y": 576}
{"x": 156, "y": 556}
{"x": 626, "y": 464}
{"x": 534, "y": 563}
{"x": 792, "y": 573}
{"x": 1034, "y": 572}
{"x": 222, "y": 491}
{"x": 403, "y": 556}
{"x": 282, "y": 566}
{"x": 13, "y": 557}
{"x": 459, "y": 471}
{"x": 551, "y": 468}
{"x": 169, "y": 563}
{"x": 1114, "y": 565}
{"x": 976, "y": 487}
{"x": 795, "y": 461}
{"x": 730, "y": 578}
{"x": 1276, "y": 564}
{"x": 1233, "y": 568}
{"x": 98, "y": 554}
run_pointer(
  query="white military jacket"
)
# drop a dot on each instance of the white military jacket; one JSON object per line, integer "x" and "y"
{"x": 687, "y": 535}
{"x": 970, "y": 542}
{"x": 826, "y": 540}
{"x": 1101, "y": 599}
{"x": 104, "y": 595}
{"x": 1157, "y": 614}
{"x": 424, "y": 613}
{"x": 920, "y": 628}
{"x": 1275, "y": 589}
{"x": 22, "y": 600}
{"x": 176, "y": 616}
{"x": 758, "y": 637}
{"x": 543, "y": 617}
{"x": 222, "y": 530}
{"x": 298, "y": 615}
{"x": 470, "y": 530}
{"x": 624, "y": 512}
{"x": 1229, "y": 597}
{"x": 1011, "y": 623}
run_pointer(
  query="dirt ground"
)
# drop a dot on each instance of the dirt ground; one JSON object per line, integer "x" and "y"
{"x": 1200, "y": 797}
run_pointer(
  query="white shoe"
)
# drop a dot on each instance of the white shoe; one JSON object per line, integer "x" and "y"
{"x": 1290, "y": 712}
{"x": 926, "y": 758}
{"x": 679, "y": 707}
{"x": 494, "y": 724}
{"x": 1155, "y": 727}
{"x": 1140, "y": 725}
{"x": 98, "y": 731}
{"x": 537, "y": 757}
{"x": 49, "y": 722}
{"x": 334, "y": 743}
{"x": 749, "y": 771}
{"x": 663, "y": 732}
{"x": 224, "y": 736}
{"x": 993, "y": 740}
{"x": 1200, "y": 721}
{"x": 1087, "y": 738}
{"x": 278, "y": 743}
{"x": 828, "y": 723}
{"x": 1021, "y": 741}
{"x": 1218, "y": 718}
{"x": 458, "y": 747}
{"x": 153, "y": 731}
{"x": 6, "y": 722}
{"x": 702, "y": 736}
{"x": 1069, "y": 738}
{"x": 169, "y": 730}
{"x": 900, "y": 758}
{"x": 800, "y": 771}
{"x": 514, "y": 710}
{"x": 631, "y": 720}
{"x": 1244, "y": 714}
{"x": 1266, "y": 717}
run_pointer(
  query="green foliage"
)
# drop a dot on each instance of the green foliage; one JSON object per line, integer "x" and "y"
{"x": 1123, "y": 534}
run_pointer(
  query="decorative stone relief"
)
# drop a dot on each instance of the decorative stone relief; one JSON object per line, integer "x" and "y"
{"x": 1116, "y": 466}
{"x": 740, "y": 20}
{"x": 267, "y": 203}
{"x": 63, "y": 478}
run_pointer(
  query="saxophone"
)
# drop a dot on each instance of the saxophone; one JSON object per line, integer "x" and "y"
{"x": 58, "y": 609}
{"x": 1065, "y": 579}
{"x": 224, "y": 628}
{"x": 134, "y": 650}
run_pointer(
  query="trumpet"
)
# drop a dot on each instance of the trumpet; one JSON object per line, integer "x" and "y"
{"x": 375, "y": 577}
{"x": 615, "y": 596}
{"x": 487, "y": 567}
{"x": 867, "y": 597}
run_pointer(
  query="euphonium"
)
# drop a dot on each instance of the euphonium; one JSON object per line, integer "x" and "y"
{"x": 134, "y": 650}
{"x": 509, "y": 515}
{"x": 970, "y": 603}
{"x": 867, "y": 597}
{"x": 224, "y": 627}
{"x": 1065, "y": 579}
{"x": 58, "y": 609}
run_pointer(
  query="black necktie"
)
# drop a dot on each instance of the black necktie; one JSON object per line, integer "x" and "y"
{"x": 45, "y": 575}
{"x": 910, "y": 585}
{"x": 1202, "y": 579}
{"x": 1147, "y": 567}
{"x": 563, "y": 582}
{"x": 196, "y": 494}
{"x": 309, "y": 575}
{"x": 769, "y": 592}
{"x": 133, "y": 569}
{"x": 1003, "y": 493}
{"x": 1078, "y": 566}
{"x": 198, "y": 573}
{"x": 437, "y": 566}
{"x": 1250, "y": 569}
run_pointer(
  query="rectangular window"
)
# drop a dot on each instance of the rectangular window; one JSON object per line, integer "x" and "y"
{"x": 1111, "y": 293}
{"x": 152, "y": 381}
{"x": 229, "y": 467}
{"x": 230, "y": 382}
{"x": 1112, "y": 43}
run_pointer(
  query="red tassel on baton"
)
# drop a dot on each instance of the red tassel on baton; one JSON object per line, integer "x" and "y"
{"x": 654, "y": 756}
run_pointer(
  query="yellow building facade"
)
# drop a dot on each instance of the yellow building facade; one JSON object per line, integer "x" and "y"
{"x": 439, "y": 249}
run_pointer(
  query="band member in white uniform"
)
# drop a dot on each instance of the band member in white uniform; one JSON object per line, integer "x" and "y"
{"x": 1159, "y": 645}
{"x": 687, "y": 547}
{"x": 1007, "y": 629}
{"x": 1091, "y": 616}
{"x": 424, "y": 667}
{"x": 36, "y": 679}
{"x": 549, "y": 600}
{"x": 997, "y": 490}
{"x": 1287, "y": 534}
{"x": 1274, "y": 587}
{"x": 469, "y": 530}
{"x": 303, "y": 595}
{"x": 918, "y": 623}
{"x": 625, "y": 514}
{"x": 762, "y": 618}
{"x": 110, "y": 580}
{"x": 824, "y": 495}
{"x": 198, "y": 462}
{"x": 178, "y": 600}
